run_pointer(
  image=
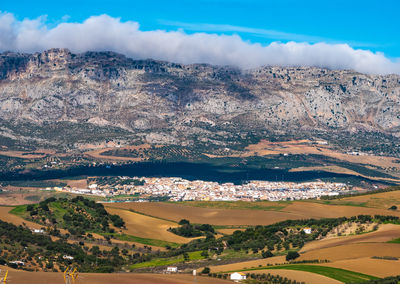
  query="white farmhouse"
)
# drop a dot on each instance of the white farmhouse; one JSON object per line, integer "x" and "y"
{"x": 238, "y": 276}
{"x": 172, "y": 269}
{"x": 68, "y": 257}
{"x": 307, "y": 230}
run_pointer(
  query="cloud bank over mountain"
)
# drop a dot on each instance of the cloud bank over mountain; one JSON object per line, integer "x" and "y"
{"x": 103, "y": 33}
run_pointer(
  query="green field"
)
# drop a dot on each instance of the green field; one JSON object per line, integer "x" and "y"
{"x": 395, "y": 241}
{"x": 196, "y": 255}
{"x": 342, "y": 275}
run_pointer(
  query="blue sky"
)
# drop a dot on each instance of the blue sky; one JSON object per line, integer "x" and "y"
{"x": 365, "y": 24}
{"x": 345, "y": 34}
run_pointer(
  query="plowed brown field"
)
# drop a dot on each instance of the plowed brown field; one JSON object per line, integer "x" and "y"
{"x": 375, "y": 267}
{"x": 148, "y": 227}
{"x": 353, "y": 251}
{"x": 11, "y": 218}
{"x": 385, "y": 233}
{"x": 295, "y": 210}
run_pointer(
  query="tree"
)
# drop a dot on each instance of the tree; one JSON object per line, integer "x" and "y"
{"x": 206, "y": 270}
{"x": 266, "y": 254}
{"x": 184, "y": 222}
{"x": 292, "y": 255}
{"x": 186, "y": 256}
{"x": 394, "y": 207}
{"x": 204, "y": 253}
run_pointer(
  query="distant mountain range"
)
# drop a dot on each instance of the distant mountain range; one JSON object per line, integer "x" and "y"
{"x": 57, "y": 99}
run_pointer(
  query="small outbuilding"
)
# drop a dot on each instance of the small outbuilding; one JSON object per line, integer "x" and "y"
{"x": 307, "y": 230}
{"x": 172, "y": 269}
{"x": 238, "y": 276}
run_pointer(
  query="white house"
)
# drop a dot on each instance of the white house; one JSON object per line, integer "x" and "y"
{"x": 307, "y": 230}
{"x": 238, "y": 276}
{"x": 38, "y": 231}
{"x": 68, "y": 257}
{"x": 172, "y": 269}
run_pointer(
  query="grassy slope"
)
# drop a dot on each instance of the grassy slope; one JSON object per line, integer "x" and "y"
{"x": 395, "y": 241}
{"x": 167, "y": 261}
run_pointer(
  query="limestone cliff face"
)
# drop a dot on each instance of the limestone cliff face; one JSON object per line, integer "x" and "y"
{"x": 162, "y": 102}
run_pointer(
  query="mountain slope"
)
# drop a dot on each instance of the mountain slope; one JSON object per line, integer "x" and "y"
{"x": 62, "y": 100}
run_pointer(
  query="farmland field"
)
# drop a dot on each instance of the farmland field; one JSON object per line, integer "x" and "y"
{"x": 353, "y": 251}
{"x": 302, "y": 276}
{"x": 385, "y": 233}
{"x": 147, "y": 227}
{"x": 215, "y": 216}
{"x": 339, "y": 274}
{"x": 376, "y": 267}
{"x": 6, "y": 216}
{"x": 382, "y": 200}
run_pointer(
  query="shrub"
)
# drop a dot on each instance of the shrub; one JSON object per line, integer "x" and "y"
{"x": 292, "y": 255}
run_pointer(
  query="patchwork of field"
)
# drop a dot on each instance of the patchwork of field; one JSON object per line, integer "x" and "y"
{"x": 215, "y": 216}
{"x": 342, "y": 170}
{"x": 98, "y": 153}
{"x": 147, "y": 227}
{"x": 23, "y": 277}
{"x": 265, "y": 147}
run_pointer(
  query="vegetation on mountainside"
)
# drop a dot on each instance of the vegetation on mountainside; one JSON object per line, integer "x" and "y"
{"x": 38, "y": 251}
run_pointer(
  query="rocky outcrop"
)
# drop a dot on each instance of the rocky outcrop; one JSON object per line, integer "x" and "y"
{"x": 161, "y": 102}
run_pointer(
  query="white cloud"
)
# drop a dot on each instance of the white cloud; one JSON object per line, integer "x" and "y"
{"x": 100, "y": 33}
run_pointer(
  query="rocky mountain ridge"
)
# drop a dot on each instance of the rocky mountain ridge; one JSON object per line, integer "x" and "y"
{"x": 58, "y": 98}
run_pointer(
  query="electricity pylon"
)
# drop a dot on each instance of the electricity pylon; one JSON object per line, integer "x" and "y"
{"x": 70, "y": 275}
{"x": 3, "y": 280}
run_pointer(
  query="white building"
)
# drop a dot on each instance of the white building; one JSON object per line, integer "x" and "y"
{"x": 238, "y": 276}
{"x": 307, "y": 230}
{"x": 68, "y": 257}
{"x": 172, "y": 269}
